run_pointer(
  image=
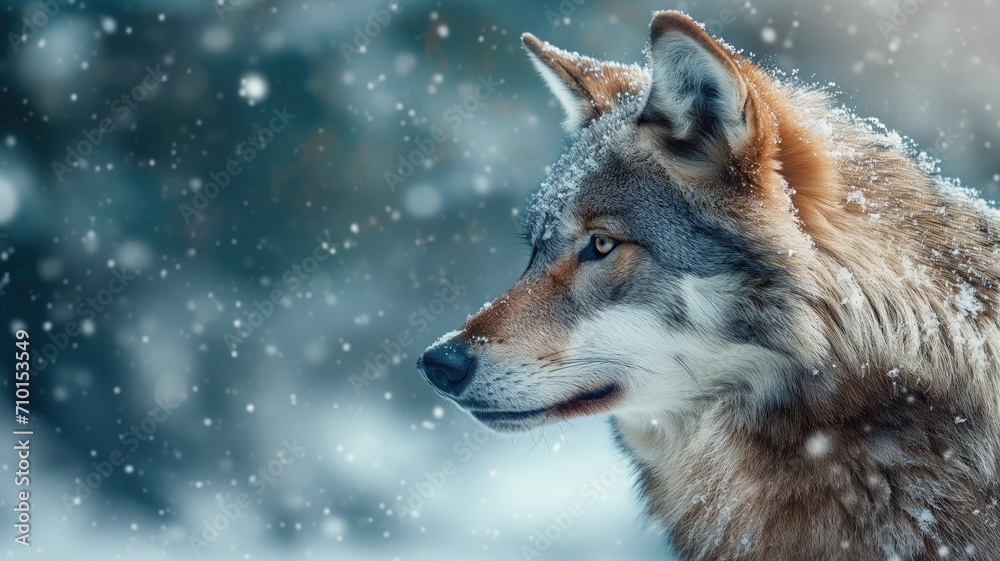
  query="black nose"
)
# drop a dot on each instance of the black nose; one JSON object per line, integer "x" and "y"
{"x": 448, "y": 366}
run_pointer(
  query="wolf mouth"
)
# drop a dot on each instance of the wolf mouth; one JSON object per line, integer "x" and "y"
{"x": 589, "y": 402}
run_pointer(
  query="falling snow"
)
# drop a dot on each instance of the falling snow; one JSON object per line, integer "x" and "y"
{"x": 207, "y": 274}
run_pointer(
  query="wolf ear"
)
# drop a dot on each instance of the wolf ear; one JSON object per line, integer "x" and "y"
{"x": 585, "y": 87}
{"x": 700, "y": 109}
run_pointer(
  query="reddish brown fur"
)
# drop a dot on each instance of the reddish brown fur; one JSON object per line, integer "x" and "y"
{"x": 911, "y": 414}
{"x": 519, "y": 315}
{"x": 855, "y": 504}
{"x": 600, "y": 83}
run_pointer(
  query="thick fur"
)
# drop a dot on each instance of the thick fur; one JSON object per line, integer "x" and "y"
{"x": 798, "y": 334}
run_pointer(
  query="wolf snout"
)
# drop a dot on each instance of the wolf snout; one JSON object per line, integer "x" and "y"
{"x": 448, "y": 366}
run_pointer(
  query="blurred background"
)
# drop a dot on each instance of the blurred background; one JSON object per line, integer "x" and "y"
{"x": 227, "y": 272}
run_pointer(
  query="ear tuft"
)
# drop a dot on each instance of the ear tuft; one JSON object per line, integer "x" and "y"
{"x": 585, "y": 87}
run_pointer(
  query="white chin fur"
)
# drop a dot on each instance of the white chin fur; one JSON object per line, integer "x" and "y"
{"x": 668, "y": 370}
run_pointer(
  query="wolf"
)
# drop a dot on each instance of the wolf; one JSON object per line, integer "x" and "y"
{"x": 791, "y": 318}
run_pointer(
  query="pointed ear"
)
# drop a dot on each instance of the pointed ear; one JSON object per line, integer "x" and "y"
{"x": 701, "y": 108}
{"x": 585, "y": 87}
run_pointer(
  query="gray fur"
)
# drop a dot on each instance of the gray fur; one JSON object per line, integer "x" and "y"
{"x": 806, "y": 372}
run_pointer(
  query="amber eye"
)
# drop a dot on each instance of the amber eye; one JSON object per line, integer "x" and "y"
{"x": 598, "y": 248}
{"x": 603, "y": 244}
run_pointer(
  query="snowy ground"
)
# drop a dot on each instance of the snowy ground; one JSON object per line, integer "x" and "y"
{"x": 185, "y": 89}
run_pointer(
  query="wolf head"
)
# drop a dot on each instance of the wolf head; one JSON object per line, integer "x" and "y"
{"x": 657, "y": 278}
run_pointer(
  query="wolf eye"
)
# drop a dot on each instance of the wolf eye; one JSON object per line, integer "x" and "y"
{"x": 604, "y": 244}
{"x": 598, "y": 248}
